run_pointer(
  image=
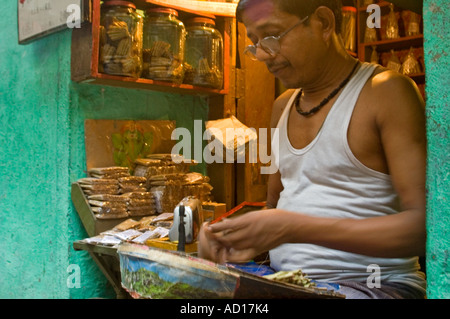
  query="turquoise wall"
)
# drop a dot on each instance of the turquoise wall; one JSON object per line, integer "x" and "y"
{"x": 437, "y": 48}
{"x": 42, "y": 152}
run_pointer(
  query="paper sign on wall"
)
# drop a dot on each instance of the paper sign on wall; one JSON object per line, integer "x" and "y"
{"x": 38, "y": 18}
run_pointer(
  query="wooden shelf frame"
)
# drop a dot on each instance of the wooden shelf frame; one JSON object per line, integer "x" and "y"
{"x": 86, "y": 47}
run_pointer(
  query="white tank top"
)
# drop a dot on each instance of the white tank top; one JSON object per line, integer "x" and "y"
{"x": 325, "y": 179}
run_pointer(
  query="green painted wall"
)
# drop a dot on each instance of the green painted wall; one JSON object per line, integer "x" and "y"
{"x": 102, "y": 102}
{"x": 42, "y": 152}
{"x": 437, "y": 48}
{"x": 34, "y": 108}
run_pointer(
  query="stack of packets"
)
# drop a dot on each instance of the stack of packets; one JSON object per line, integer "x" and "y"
{"x": 113, "y": 172}
{"x": 169, "y": 180}
{"x": 113, "y": 193}
{"x": 169, "y": 189}
{"x": 159, "y": 183}
{"x": 150, "y": 227}
{"x": 98, "y": 186}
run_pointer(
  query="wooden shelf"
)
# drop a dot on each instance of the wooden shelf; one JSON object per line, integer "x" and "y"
{"x": 147, "y": 84}
{"x": 382, "y": 4}
{"x": 383, "y": 46}
{"x": 224, "y": 9}
{"x": 399, "y": 43}
{"x": 86, "y": 47}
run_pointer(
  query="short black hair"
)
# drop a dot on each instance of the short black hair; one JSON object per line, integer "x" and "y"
{"x": 300, "y": 8}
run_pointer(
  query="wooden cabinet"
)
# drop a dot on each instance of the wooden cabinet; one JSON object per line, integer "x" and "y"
{"x": 248, "y": 91}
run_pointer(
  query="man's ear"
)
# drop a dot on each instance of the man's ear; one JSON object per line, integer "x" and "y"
{"x": 328, "y": 21}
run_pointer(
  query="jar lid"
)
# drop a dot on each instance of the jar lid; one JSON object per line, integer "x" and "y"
{"x": 119, "y": 3}
{"x": 163, "y": 10}
{"x": 349, "y": 8}
{"x": 201, "y": 20}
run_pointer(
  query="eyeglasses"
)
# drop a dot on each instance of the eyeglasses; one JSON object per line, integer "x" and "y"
{"x": 270, "y": 45}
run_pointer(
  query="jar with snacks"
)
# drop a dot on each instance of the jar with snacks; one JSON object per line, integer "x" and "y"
{"x": 121, "y": 31}
{"x": 204, "y": 53}
{"x": 164, "y": 44}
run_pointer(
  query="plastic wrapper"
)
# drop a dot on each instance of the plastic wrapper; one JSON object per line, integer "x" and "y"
{"x": 127, "y": 224}
{"x": 157, "y": 274}
{"x": 104, "y": 172}
{"x": 374, "y": 58}
{"x": 411, "y": 65}
{"x": 92, "y": 186}
{"x": 132, "y": 184}
{"x": 370, "y": 35}
{"x": 392, "y": 29}
{"x": 142, "y": 211}
{"x": 155, "y": 233}
{"x": 112, "y": 215}
{"x": 394, "y": 62}
{"x": 412, "y": 23}
{"x": 229, "y": 138}
{"x": 156, "y": 166}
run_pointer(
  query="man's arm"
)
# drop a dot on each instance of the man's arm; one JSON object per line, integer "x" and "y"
{"x": 274, "y": 185}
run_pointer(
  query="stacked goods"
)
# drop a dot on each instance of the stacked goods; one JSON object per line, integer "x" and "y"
{"x": 119, "y": 54}
{"x": 107, "y": 206}
{"x": 113, "y": 172}
{"x": 147, "y": 167}
{"x": 130, "y": 184}
{"x": 140, "y": 204}
{"x": 93, "y": 186}
{"x": 161, "y": 164}
{"x": 197, "y": 185}
{"x": 161, "y": 64}
{"x": 113, "y": 193}
{"x": 168, "y": 190}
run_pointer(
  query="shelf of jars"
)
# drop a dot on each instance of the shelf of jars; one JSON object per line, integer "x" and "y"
{"x": 89, "y": 44}
{"x": 397, "y": 43}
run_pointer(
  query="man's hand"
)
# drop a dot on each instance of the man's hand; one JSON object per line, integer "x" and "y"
{"x": 251, "y": 234}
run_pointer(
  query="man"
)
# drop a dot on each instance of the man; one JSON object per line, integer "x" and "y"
{"x": 349, "y": 194}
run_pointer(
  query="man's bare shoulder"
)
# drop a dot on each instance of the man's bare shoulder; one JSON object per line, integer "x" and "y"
{"x": 388, "y": 91}
{"x": 386, "y": 84}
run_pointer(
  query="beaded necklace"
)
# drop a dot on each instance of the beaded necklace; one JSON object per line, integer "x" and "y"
{"x": 325, "y": 100}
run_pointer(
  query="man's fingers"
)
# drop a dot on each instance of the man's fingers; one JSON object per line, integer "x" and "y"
{"x": 221, "y": 226}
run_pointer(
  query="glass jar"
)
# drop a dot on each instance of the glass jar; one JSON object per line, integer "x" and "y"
{"x": 204, "y": 53}
{"x": 349, "y": 27}
{"x": 164, "y": 44}
{"x": 121, "y": 29}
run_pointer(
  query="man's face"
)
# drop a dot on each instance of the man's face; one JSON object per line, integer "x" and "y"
{"x": 296, "y": 60}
